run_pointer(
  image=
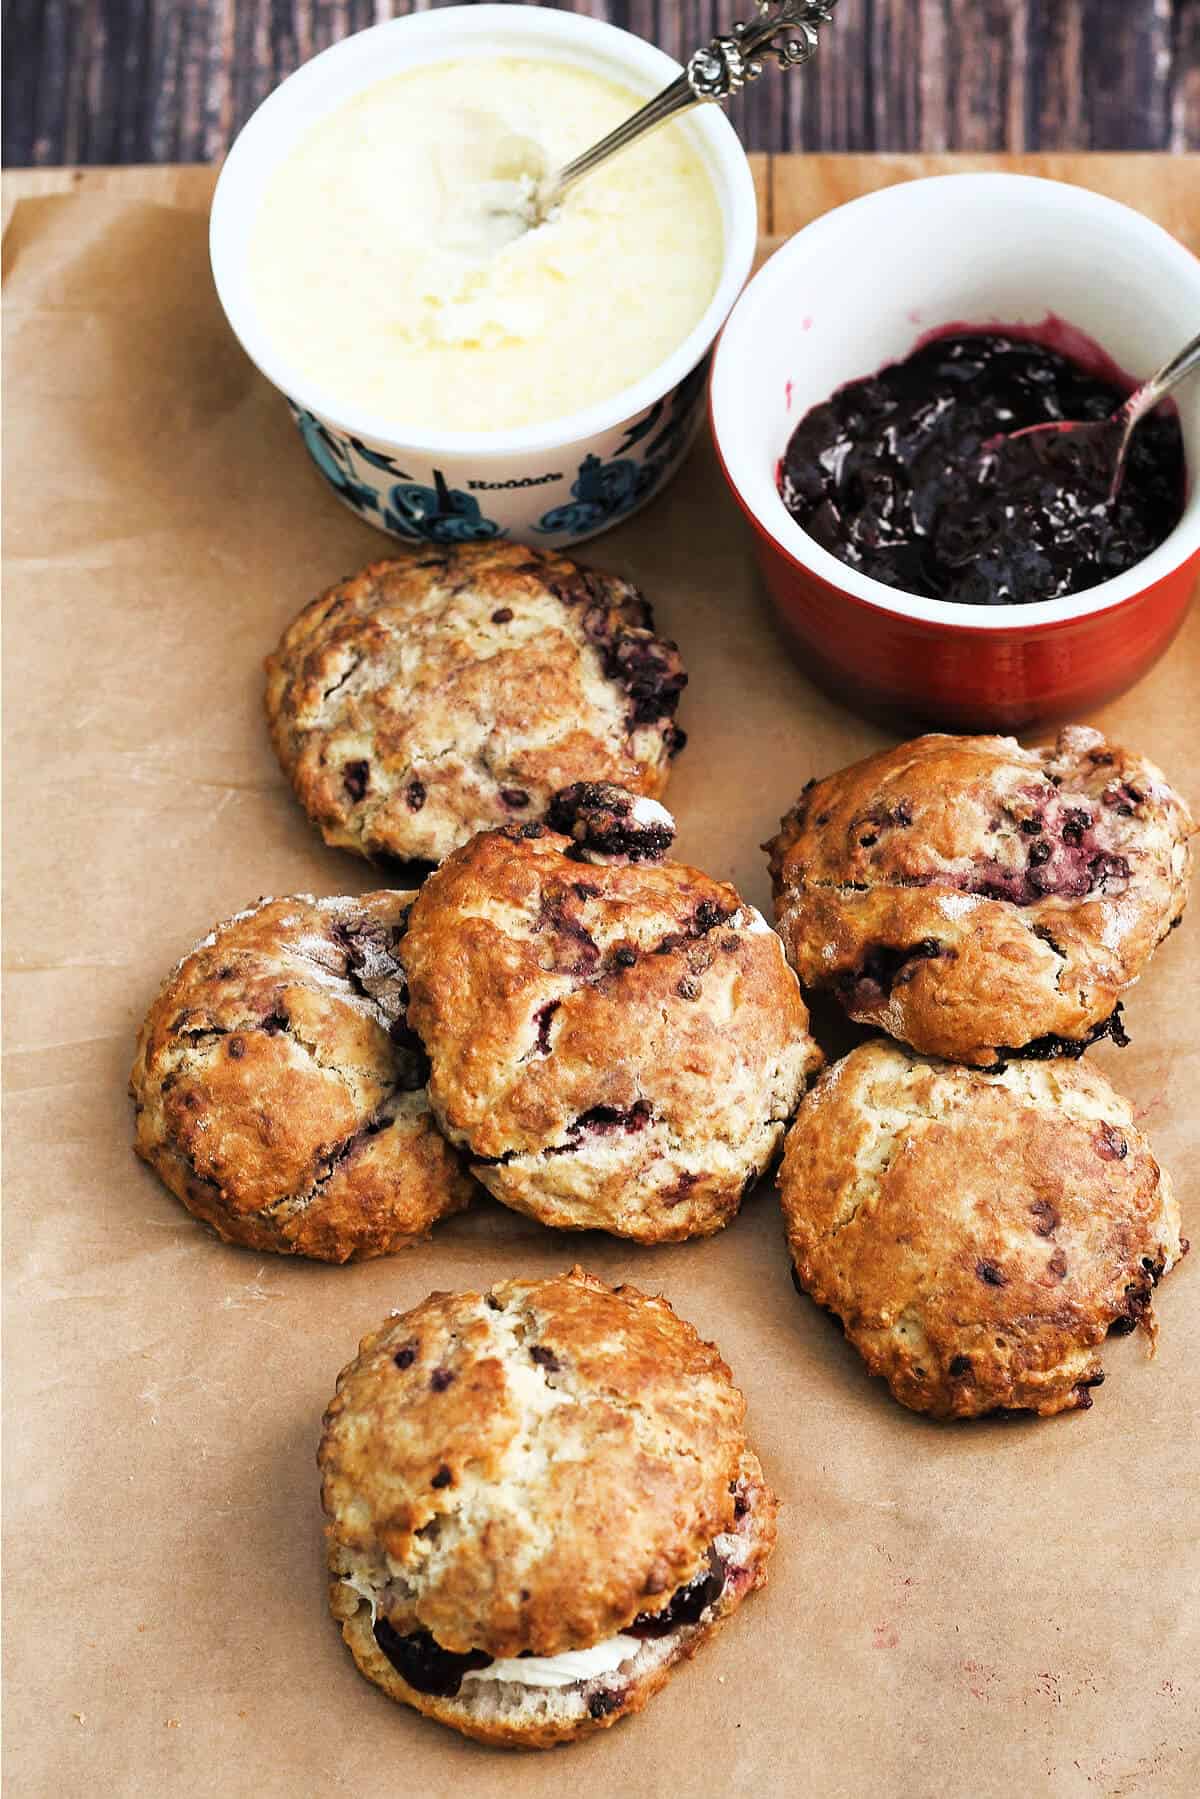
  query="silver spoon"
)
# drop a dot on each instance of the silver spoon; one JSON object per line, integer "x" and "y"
{"x": 1105, "y": 442}
{"x": 718, "y": 69}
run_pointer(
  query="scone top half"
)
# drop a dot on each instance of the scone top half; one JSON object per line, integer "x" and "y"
{"x": 971, "y": 897}
{"x": 431, "y": 696}
{"x": 545, "y": 1469}
{"x": 616, "y": 1043}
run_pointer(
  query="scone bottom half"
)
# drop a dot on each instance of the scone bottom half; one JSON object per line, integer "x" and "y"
{"x": 616, "y": 1040}
{"x": 456, "y": 688}
{"x": 979, "y": 1233}
{"x": 981, "y": 901}
{"x": 279, "y": 1093}
{"x": 539, "y": 1502}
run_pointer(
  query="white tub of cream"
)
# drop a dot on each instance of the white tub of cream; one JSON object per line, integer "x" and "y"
{"x": 449, "y": 390}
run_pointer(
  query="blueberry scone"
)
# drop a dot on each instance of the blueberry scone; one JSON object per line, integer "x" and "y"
{"x": 539, "y": 1501}
{"x": 616, "y": 1042}
{"x": 429, "y": 697}
{"x": 973, "y": 898}
{"x": 979, "y": 1233}
{"x": 279, "y": 1092}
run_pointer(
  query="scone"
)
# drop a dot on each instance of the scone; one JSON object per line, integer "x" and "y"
{"x": 616, "y": 1044}
{"x": 279, "y": 1093}
{"x": 978, "y": 1233}
{"x": 975, "y": 899}
{"x": 539, "y": 1501}
{"x": 452, "y": 689}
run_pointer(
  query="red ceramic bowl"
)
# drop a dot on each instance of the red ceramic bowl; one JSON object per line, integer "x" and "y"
{"x": 857, "y": 289}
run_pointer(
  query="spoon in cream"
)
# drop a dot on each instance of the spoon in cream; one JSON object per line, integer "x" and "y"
{"x": 718, "y": 69}
{"x": 1101, "y": 444}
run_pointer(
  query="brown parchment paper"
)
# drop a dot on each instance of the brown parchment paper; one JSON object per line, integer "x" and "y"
{"x": 963, "y": 1610}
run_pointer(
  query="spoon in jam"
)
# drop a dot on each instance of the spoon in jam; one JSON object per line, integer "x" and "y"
{"x": 718, "y": 69}
{"x": 1099, "y": 448}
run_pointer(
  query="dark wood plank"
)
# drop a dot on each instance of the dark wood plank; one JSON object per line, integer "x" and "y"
{"x": 1185, "y": 75}
{"x": 123, "y": 81}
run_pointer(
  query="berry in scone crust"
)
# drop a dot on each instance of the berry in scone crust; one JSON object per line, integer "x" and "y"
{"x": 539, "y": 1501}
{"x": 447, "y": 690}
{"x": 613, "y": 1044}
{"x": 979, "y": 1233}
{"x": 279, "y": 1093}
{"x": 975, "y": 899}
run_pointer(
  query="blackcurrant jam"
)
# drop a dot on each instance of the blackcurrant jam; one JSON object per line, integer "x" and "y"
{"x": 906, "y": 476}
{"x": 423, "y": 1663}
{"x": 688, "y": 1604}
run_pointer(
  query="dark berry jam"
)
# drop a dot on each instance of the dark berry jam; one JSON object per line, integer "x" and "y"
{"x": 900, "y": 475}
{"x": 423, "y": 1663}
{"x": 689, "y": 1603}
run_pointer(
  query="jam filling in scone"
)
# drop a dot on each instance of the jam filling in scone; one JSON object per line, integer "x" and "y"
{"x": 279, "y": 1091}
{"x": 603, "y": 1677}
{"x": 607, "y": 824}
{"x": 979, "y": 900}
{"x": 473, "y": 1459}
{"x": 978, "y": 1232}
{"x": 435, "y": 695}
{"x": 616, "y": 1042}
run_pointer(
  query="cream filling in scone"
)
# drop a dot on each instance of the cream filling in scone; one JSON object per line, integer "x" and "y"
{"x": 649, "y": 812}
{"x": 756, "y": 924}
{"x": 569, "y": 1669}
{"x": 651, "y": 1639}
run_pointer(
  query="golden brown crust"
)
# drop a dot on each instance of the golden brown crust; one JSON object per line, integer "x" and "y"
{"x": 978, "y": 1234}
{"x": 531, "y": 1468}
{"x": 512, "y": 1717}
{"x": 966, "y": 895}
{"x": 446, "y": 690}
{"x": 275, "y": 1090}
{"x": 617, "y": 1047}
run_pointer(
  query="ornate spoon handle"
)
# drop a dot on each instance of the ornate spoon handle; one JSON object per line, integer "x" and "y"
{"x": 715, "y": 71}
{"x": 1145, "y": 398}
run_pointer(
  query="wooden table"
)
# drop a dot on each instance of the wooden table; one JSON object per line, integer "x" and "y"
{"x": 172, "y": 80}
{"x": 791, "y": 189}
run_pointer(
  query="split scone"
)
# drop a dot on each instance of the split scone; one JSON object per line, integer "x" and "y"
{"x": 539, "y": 1500}
{"x": 431, "y": 696}
{"x": 616, "y": 1042}
{"x": 979, "y": 1233}
{"x": 976, "y": 899}
{"x": 279, "y": 1093}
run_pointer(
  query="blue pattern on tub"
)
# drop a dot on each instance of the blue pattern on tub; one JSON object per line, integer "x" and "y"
{"x": 604, "y": 491}
{"x": 437, "y": 514}
{"x": 332, "y": 456}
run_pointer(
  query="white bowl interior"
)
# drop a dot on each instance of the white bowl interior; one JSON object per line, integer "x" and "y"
{"x": 475, "y": 32}
{"x": 858, "y": 288}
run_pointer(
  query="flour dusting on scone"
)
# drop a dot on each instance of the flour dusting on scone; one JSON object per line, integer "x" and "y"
{"x": 279, "y": 1092}
{"x": 973, "y": 898}
{"x": 615, "y": 1043}
{"x": 447, "y": 690}
{"x": 979, "y": 1233}
{"x": 539, "y": 1501}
